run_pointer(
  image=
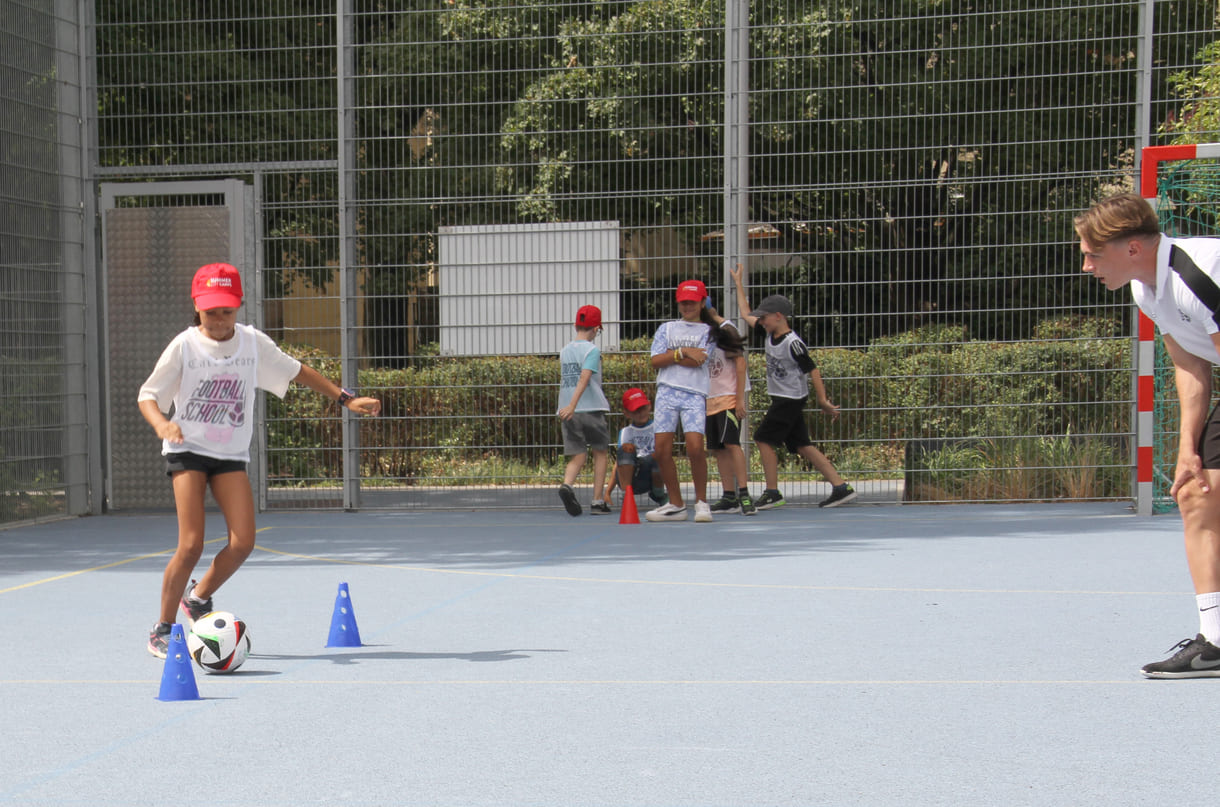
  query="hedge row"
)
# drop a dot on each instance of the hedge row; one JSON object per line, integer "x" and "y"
{"x": 935, "y": 382}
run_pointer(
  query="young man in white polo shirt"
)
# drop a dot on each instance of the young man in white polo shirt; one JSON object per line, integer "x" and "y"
{"x": 1174, "y": 281}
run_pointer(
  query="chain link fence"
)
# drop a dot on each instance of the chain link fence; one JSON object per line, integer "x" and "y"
{"x": 433, "y": 187}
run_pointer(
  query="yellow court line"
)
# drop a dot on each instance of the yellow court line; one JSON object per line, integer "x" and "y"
{"x": 124, "y": 562}
{"x": 705, "y": 584}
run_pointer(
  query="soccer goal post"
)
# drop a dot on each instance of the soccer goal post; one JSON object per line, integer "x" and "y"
{"x": 1183, "y": 184}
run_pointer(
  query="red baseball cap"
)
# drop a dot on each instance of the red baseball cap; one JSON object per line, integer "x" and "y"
{"x": 588, "y": 317}
{"x": 691, "y": 290}
{"x": 217, "y": 285}
{"x": 634, "y": 399}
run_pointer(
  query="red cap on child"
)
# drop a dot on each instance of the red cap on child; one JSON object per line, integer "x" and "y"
{"x": 217, "y": 285}
{"x": 691, "y": 290}
{"x": 634, "y": 399}
{"x": 588, "y": 317}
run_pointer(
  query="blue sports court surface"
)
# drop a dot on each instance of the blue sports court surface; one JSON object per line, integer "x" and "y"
{"x": 867, "y": 655}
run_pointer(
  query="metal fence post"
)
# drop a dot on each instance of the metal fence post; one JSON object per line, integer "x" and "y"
{"x": 348, "y": 287}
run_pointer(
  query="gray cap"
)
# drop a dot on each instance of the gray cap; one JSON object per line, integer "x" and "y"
{"x": 775, "y": 304}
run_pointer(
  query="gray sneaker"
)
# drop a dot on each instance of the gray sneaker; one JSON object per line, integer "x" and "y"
{"x": 158, "y": 639}
{"x": 1196, "y": 658}
{"x": 194, "y": 610}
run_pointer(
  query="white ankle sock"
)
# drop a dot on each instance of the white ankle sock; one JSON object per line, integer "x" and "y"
{"x": 1209, "y": 616}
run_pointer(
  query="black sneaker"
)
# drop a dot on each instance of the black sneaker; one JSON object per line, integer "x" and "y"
{"x": 599, "y": 509}
{"x": 194, "y": 610}
{"x": 838, "y": 495}
{"x": 726, "y": 504}
{"x": 1196, "y": 658}
{"x": 158, "y": 639}
{"x": 769, "y": 500}
{"x": 569, "y": 500}
{"x": 748, "y": 507}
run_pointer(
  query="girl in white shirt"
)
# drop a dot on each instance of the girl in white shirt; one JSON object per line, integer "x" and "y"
{"x": 209, "y": 374}
{"x": 679, "y": 355}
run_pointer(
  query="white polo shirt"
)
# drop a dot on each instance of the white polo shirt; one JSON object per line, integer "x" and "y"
{"x": 1173, "y": 306}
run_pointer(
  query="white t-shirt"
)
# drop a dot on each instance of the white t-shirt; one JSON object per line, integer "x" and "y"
{"x": 1173, "y": 306}
{"x": 211, "y": 387}
{"x": 644, "y": 438}
{"x": 721, "y": 370}
{"x": 788, "y": 366}
{"x": 673, "y": 335}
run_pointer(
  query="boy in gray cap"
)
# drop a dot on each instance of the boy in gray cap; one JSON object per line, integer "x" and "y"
{"x": 790, "y": 371}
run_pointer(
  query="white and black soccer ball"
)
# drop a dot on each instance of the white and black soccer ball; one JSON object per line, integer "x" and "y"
{"x": 218, "y": 642}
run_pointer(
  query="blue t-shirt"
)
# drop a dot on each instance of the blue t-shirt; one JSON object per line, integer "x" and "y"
{"x": 577, "y": 356}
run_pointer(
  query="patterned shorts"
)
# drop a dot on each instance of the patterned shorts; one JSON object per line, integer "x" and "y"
{"x": 674, "y": 404}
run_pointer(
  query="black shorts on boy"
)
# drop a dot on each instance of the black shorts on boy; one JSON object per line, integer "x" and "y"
{"x": 723, "y": 429}
{"x": 784, "y": 424}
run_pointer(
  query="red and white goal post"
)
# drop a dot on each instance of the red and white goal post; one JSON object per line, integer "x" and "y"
{"x": 1152, "y": 159}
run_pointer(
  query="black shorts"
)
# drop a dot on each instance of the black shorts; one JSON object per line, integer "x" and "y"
{"x": 1209, "y": 441}
{"x": 784, "y": 424}
{"x": 723, "y": 429}
{"x": 188, "y": 461}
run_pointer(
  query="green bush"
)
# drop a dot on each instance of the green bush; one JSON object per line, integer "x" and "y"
{"x": 454, "y": 420}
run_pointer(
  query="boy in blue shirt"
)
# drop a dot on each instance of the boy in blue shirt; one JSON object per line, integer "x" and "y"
{"x": 582, "y": 409}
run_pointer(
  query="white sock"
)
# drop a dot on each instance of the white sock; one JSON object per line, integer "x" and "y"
{"x": 1209, "y": 616}
{"x": 192, "y": 598}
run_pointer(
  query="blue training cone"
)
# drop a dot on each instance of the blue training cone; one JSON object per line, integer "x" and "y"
{"x": 343, "y": 630}
{"x": 178, "y": 677}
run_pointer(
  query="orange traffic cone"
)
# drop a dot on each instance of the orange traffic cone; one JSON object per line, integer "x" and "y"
{"x": 628, "y": 514}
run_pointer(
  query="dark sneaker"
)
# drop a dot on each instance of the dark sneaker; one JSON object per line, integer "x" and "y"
{"x": 599, "y": 509}
{"x": 726, "y": 504}
{"x": 839, "y": 495}
{"x": 1196, "y": 658}
{"x": 194, "y": 610}
{"x": 158, "y": 639}
{"x": 569, "y": 500}
{"x": 747, "y": 506}
{"x": 770, "y": 499}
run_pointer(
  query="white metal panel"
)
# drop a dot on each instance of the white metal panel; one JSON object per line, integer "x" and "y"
{"x": 515, "y": 289}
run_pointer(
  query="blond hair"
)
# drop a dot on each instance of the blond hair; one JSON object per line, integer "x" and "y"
{"x": 1125, "y": 215}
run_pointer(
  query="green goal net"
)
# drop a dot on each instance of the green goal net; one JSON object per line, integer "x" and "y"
{"x": 1188, "y": 204}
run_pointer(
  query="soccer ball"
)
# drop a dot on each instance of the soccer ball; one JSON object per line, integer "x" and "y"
{"x": 218, "y": 642}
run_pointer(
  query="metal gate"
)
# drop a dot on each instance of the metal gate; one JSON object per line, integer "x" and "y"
{"x": 154, "y": 236}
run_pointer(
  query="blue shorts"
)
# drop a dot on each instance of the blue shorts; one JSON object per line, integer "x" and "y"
{"x": 674, "y": 404}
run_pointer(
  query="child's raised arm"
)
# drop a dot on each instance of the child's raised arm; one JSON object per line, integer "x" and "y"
{"x": 743, "y": 304}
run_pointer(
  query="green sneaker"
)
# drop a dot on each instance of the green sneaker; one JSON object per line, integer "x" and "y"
{"x": 770, "y": 500}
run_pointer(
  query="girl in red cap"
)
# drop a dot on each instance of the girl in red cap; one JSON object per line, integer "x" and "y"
{"x": 679, "y": 355}
{"x": 209, "y": 374}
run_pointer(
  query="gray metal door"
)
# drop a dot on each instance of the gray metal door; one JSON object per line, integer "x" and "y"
{"x": 154, "y": 236}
